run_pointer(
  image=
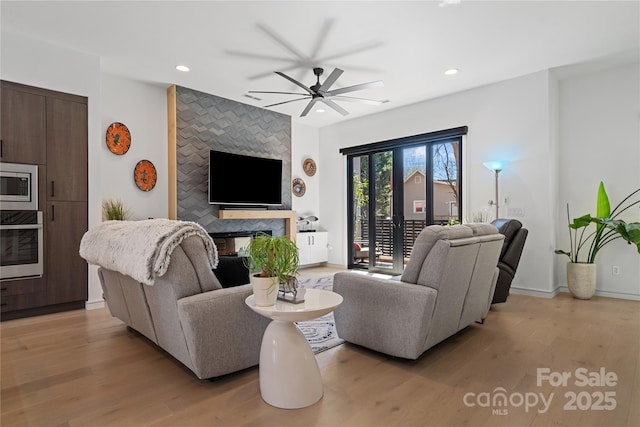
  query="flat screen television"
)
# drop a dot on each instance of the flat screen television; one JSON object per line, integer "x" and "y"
{"x": 239, "y": 180}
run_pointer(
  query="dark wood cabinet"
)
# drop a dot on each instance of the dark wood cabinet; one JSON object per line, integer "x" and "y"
{"x": 66, "y": 150}
{"x": 55, "y": 125}
{"x": 65, "y": 270}
{"x": 22, "y": 125}
{"x": 22, "y": 294}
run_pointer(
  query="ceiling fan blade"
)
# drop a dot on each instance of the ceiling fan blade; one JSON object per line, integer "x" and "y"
{"x": 286, "y": 102}
{"x": 281, "y": 93}
{"x": 268, "y": 73}
{"x": 288, "y": 46}
{"x": 322, "y": 37}
{"x": 257, "y": 55}
{"x": 350, "y": 51}
{"x": 309, "y": 107}
{"x": 335, "y": 106}
{"x": 335, "y": 74}
{"x": 354, "y": 88}
{"x": 361, "y": 100}
{"x": 295, "y": 82}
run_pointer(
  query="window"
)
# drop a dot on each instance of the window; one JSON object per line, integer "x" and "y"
{"x": 418, "y": 206}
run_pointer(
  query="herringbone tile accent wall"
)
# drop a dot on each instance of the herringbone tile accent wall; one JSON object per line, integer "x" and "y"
{"x": 207, "y": 122}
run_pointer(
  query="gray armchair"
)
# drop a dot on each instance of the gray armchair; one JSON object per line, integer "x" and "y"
{"x": 447, "y": 284}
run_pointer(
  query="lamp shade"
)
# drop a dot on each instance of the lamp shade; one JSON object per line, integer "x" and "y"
{"x": 495, "y": 165}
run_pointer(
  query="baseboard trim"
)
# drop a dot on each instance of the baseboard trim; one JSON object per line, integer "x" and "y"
{"x": 564, "y": 289}
{"x": 93, "y": 305}
{"x": 533, "y": 293}
{"x": 608, "y": 294}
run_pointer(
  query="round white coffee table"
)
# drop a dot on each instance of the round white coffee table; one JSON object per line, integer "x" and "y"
{"x": 289, "y": 374}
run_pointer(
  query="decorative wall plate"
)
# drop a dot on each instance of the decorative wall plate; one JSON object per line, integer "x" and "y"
{"x": 145, "y": 175}
{"x": 309, "y": 167}
{"x": 118, "y": 138}
{"x": 298, "y": 187}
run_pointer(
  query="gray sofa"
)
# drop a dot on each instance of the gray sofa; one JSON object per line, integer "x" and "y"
{"x": 447, "y": 284}
{"x": 189, "y": 314}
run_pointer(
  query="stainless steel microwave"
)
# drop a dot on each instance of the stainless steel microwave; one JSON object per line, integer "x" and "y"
{"x": 18, "y": 187}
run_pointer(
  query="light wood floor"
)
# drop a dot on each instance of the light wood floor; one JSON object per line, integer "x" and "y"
{"x": 84, "y": 368}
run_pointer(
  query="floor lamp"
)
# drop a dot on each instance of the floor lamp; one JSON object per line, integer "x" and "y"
{"x": 495, "y": 167}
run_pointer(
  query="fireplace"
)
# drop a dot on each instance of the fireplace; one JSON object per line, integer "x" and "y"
{"x": 230, "y": 243}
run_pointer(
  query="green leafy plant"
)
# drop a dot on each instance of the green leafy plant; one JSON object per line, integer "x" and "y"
{"x": 114, "y": 209}
{"x": 607, "y": 227}
{"x": 272, "y": 256}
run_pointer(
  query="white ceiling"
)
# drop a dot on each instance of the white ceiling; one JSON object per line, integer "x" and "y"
{"x": 234, "y": 47}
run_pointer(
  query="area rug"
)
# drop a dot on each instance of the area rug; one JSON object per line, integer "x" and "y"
{"x": 320, "y": 332}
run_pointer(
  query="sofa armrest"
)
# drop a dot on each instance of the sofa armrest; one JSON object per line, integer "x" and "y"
{"x": 222, "y": 333}
{"x": 385, "y": 315}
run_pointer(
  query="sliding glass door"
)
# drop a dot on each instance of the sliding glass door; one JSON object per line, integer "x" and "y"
{"x": 393, "y": 194}
{"x": 375, "y": 218}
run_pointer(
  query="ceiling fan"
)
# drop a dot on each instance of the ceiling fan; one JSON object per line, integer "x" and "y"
{"x": 320, "y": 92}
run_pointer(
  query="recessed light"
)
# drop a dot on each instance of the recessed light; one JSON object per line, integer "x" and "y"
{"x": 451, "y": 72}
{"x": 183, "y": 68}
{"x": 444, "y": 3}
{"x": 320, "y": 110}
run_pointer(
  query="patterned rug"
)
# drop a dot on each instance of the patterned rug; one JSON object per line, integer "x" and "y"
{"x": 320, "y": 332}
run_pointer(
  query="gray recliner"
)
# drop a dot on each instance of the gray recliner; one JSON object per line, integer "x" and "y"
{"x": 515, "y": 236}
{"x": 447, "y": 284}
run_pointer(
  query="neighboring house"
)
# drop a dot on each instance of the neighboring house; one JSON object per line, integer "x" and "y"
{"x": 445, "y": 205}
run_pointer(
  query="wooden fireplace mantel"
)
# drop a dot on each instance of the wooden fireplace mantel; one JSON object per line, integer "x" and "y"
{"x": 288, "y": 216}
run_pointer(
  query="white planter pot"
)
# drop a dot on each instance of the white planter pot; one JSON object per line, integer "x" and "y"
{"x": 581, "y": 279}
{"x": 265, "y": 290}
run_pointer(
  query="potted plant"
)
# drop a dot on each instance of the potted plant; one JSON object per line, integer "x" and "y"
{"x": 114, "y": 209}
{"x": 271, "y": 260}
{"x": 581, "y": 273}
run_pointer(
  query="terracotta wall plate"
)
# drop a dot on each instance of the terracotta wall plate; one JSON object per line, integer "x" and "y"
{"x": 118, "y": 138}
{"x": 145, "y": 175}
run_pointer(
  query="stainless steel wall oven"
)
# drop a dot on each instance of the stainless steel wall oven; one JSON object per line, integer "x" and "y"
{"x": 21, "y": 244}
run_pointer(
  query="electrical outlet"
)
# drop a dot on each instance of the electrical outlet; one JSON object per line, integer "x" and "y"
{"x": 515, "y": 212}
{"x": 616, "y": 270}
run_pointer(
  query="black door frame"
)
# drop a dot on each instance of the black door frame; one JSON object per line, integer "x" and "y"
{"x": 396, "y": 146}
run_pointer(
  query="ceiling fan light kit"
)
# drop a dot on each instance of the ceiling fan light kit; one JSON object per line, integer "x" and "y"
{"x": 320, "y": 92}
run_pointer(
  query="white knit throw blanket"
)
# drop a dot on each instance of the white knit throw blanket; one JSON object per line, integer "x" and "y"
{"x": 141, "y": 249}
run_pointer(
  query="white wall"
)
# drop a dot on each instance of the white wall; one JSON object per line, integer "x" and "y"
{"x": 304, "y": 144}
{"x": 560, "y": 137}
{"x": 507, "y": 121}
{"x": 599, "y": 130}
{"x": 142, "y": 108}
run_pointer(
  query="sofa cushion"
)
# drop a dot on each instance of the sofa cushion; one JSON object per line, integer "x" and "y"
{"x": 482, "y": 229}
{"x": 195, "y": 249}
{"x": 425, "y": 241}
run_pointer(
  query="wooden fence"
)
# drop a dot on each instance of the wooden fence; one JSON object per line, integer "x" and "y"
{"x": 384, "y": 233}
